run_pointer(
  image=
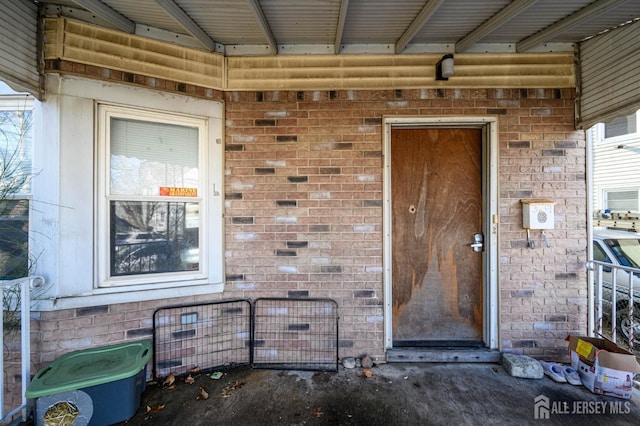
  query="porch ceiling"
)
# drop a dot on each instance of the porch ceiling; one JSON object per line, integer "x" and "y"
{"x": 259, "y": 27}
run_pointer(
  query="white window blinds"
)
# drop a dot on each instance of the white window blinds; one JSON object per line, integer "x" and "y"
{"x": 147, "y": 155}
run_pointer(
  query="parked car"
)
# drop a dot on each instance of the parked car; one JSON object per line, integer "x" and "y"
{"x": 155, "y": 256}
{"x": 139, "y": 237}
{"x": 619, "y": 248}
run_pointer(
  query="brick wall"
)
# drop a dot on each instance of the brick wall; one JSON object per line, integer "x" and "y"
{"x": 304, "y": 203}
{"x": 543, "y": 291}
{"x": 304, "y": 214}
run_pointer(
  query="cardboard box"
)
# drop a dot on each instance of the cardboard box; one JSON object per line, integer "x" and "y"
{"x": 604, "y": 367}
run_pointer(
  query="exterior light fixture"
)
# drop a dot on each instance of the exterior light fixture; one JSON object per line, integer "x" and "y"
{"x": 444, "y": 67}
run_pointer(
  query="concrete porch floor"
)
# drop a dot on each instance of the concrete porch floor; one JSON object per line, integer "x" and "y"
{"x": 395, "y": 394}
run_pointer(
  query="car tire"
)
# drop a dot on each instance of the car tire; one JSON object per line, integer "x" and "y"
{"x": 623, "y": 326}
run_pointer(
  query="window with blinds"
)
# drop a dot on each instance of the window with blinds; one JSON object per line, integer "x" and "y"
{"x": 147, "y": 156}
{"x": 152, "y": 207}
{"x": 621, "y": 200}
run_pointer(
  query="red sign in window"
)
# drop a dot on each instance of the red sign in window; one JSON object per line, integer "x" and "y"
{"x": 170, "y": 191}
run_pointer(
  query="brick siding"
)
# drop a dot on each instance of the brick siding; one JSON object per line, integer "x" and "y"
{"x": 303, "y": 213}
{"x": 324, "y": 151}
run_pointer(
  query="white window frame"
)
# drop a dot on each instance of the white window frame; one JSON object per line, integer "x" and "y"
{"x": 20, "y": 103}
{"x": 105, "y": 112}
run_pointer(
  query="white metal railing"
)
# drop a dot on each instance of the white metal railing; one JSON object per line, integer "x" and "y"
{"x": 611, "y": 292}
{"x": 16, "y": 294}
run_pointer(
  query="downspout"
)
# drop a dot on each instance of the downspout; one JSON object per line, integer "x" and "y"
{"x": 590, "y": 295}
{"x": 589, "y": 187}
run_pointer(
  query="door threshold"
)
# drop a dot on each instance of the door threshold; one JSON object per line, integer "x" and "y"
{"x": 443, "y": 354}
{"x": 466, "y": 344}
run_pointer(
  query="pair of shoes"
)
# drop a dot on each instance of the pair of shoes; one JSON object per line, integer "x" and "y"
{"x": 554, "y": 371}
{"x": 561, "y": 373}
{"x": 572, "y": 375}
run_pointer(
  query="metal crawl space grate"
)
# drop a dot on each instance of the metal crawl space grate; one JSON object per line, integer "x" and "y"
{"x": 295, "y": 334}
{"x": 201, "y": 336}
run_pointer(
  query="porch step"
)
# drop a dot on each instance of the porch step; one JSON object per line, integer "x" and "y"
{"x": 445, "y": 354}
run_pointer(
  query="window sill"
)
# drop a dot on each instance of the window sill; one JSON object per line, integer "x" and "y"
{"x": 118, "y": 295}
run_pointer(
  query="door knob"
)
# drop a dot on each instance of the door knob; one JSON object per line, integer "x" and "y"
{"x": 478, "y": 243}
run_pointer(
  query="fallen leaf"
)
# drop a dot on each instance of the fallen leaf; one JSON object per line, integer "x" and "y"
{"x": 319, "y": 412}
{"x": 231, "y": 387}
{"x": 367, "y": 373}
{"x": 189, "y": 380}
{"x": 203, "y": 394}
{"x": 195, "y": 370}
{"x": 169, "y": 380}
{"x": 155, "y": 408}
{"x": 172, "y": 387}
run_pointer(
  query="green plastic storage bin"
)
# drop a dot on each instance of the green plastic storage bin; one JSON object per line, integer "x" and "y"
{"x": 105, "y": 384}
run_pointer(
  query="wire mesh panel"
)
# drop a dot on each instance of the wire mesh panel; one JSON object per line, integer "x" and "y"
{"x": 298, "y": 334}
{"x": 201, "y": 336}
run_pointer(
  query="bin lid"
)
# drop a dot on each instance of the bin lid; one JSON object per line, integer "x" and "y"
{"x": 90, "y": 367}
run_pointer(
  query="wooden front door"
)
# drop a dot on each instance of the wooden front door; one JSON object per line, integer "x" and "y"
{"x": 436, "y": 198}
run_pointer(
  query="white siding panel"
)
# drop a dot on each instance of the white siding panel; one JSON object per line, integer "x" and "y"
{"x": 609, "y": 75}
{"x": 614, "y": 168}
{"x": 18, "y": 54}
